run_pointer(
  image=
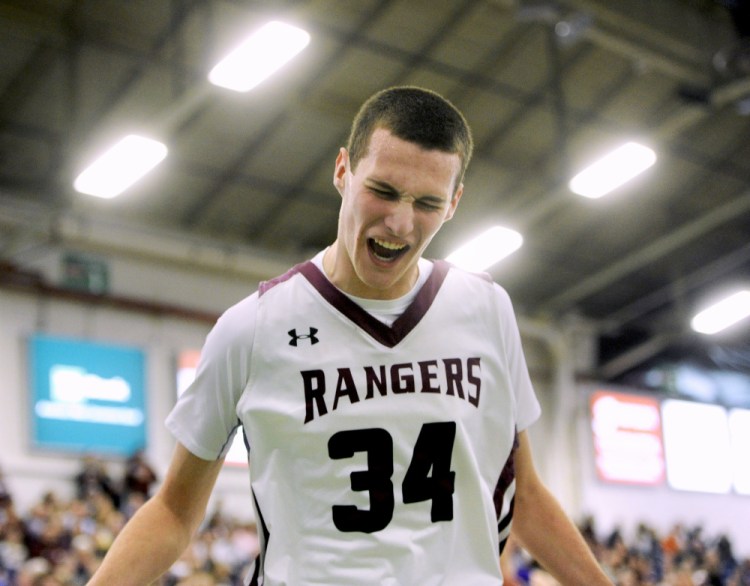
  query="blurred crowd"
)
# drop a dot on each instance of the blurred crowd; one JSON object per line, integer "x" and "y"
{"x": 60, "y": 542}
{"x": 683, "y": 556}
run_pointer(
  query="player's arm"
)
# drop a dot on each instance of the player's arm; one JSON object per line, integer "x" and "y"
{"x": 545, "y": 531}
{"x": 162, "y": 528}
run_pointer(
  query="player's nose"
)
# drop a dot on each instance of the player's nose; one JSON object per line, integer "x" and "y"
{"x": 400, "y": 219}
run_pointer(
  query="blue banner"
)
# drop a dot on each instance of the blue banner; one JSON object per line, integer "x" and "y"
{"x": 87, "y": 397}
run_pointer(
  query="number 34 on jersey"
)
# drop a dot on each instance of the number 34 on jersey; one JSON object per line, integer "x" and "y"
{"x": 428, "y": 478}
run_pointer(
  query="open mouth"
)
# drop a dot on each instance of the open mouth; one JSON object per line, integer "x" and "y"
{"x": 386, "y": 251}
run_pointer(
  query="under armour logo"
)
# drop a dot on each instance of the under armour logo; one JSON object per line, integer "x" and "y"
{"x": 295, "y": 337}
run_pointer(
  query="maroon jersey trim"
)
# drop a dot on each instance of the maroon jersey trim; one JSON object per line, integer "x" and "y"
{"x": 266, "y": 285}
{"x": 389, "y": 336}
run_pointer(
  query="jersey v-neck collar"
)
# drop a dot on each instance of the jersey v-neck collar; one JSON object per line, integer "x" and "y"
{"x": 391, "y": 335}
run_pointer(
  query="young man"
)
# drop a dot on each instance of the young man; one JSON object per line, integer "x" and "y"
{"x": 384, "y": 398}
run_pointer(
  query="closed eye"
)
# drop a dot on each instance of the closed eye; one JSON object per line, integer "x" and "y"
{"x": 426, "y": 204}
{"x": 429, "y": 205}
{"x": 385, "y": 194}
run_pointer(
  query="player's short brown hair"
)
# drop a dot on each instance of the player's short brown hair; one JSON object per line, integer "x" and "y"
{"x": 416, "y": 115}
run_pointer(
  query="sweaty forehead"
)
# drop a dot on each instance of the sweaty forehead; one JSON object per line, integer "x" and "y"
{"x": 402, "y": 164}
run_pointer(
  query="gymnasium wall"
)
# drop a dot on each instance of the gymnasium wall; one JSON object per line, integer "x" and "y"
{"x": 148, "y": 316}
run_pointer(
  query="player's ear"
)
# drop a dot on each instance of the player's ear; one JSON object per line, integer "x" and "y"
{"x": 454, "y": 202}
{"x": 340, "y": 170}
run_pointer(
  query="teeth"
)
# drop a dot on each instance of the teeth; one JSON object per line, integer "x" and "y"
{"x": 389, "y": 245}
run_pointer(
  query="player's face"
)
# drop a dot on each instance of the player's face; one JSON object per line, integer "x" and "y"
{"x": 393, "y": 203}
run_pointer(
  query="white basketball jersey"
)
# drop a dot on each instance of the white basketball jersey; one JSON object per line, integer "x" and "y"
{"x": 379, "y": 455}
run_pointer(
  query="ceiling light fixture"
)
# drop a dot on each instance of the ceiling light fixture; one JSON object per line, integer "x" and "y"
{"x": 723, "y": 314}
{"x": 263, "y": 53}
{"x": 613, "y": 170}
{"x": 121, "y": 166}
{"x": 486, "y": 249}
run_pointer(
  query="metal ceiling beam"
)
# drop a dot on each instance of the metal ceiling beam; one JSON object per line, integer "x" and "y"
{"x": 535, "y": 98}
{"x": 148, "y": 58}
{"x": 625, "y": 28}
{"x": 637, "y": 355}
{"x": 33, "y": 21}
{"x": 720, "y": 164}
{"x": 555, "y": 193}
{"x": 28, "y": 78}
{"x": 44, "y": 227}
{"x": 655, "y": 300}
{"x": 647, "y": 40}
{"x": 228, "y": 174}
{"x": 63, "y": 34}
{"x": 659, "y": 248}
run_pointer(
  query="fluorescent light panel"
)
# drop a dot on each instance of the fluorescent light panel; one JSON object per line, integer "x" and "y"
{"x": 263, "y": 53}
{"x": 121, "y": 166}
{"x": 723, "y": 314}
{"x": 486, "y": 249}
{"x": 613, "y": 170}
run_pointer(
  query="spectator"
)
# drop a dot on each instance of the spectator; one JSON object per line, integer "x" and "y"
{"x": 139, "y": 476}
{"x": 94, "y": 479}
{"x": 13, "y": 552}
{"x": 61, "y": 543}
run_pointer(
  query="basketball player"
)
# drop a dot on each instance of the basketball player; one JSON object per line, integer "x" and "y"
{"x": 384, "y": 398}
